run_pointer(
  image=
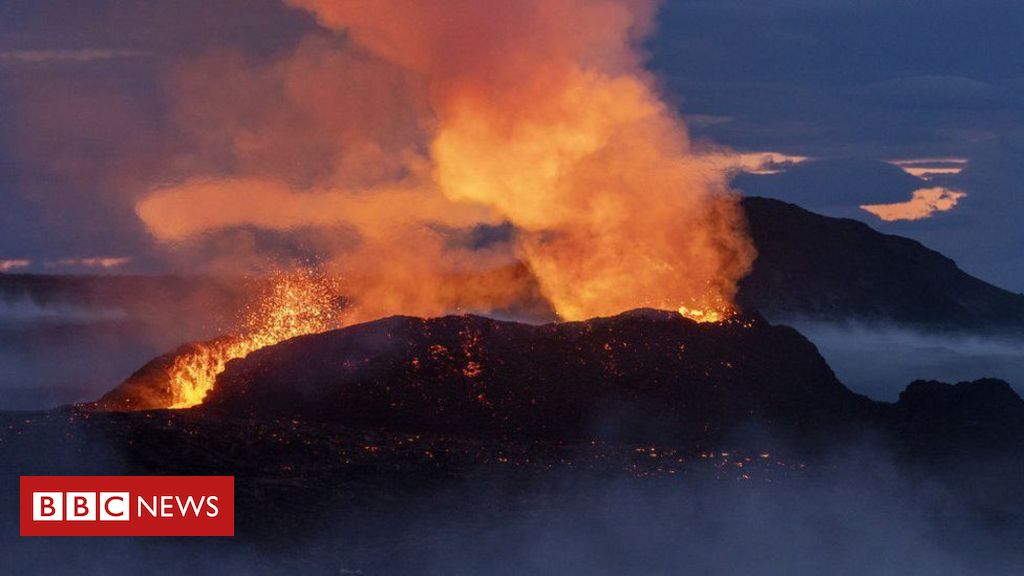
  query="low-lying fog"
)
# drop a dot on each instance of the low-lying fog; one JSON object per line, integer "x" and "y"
{"x": 879, "y": 361}
{"x": 859, "y": 516}
{"x": 61, "y": 353}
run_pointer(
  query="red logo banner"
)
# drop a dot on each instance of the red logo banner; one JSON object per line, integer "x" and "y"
{"x": 127, "y": 505}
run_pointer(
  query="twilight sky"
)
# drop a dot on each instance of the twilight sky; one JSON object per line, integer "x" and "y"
{"x": 853, "y": 86}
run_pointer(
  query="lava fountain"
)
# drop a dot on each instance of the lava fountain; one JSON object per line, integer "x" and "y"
{"x": 289, "y": 305}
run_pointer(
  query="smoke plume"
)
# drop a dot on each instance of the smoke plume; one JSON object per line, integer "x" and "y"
{"x": 415, "y": 121}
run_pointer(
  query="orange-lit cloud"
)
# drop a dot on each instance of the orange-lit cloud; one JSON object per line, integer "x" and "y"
{"x": 102, "y": 262}
{"x": 437, "y": 116}
{"x": 928, "y": 168}
{"x": 923, "y": 204}
{"x": 13, "y": 264}
{"x": 754, "y": 162}
{"x": 177, "y": 213}
{"x": 84, "y": 55}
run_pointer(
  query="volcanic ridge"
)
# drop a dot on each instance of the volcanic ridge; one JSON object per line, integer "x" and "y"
{"x": 642, "y": 376}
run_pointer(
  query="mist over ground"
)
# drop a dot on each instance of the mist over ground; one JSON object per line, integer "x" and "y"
{"x": 56, "y": 355}
{"x": 856, "y": 512}
{"x": 879, "y": 360}
{"x": 61, "y": 348}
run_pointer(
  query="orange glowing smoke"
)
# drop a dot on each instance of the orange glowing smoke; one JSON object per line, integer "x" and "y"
{"x": 546, "y": 115}
{"x": 290, "y": 305}
{"x": 537, "y": 113}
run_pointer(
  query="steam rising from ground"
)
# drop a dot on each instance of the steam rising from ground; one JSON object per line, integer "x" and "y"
{"x": 419, "y": 120}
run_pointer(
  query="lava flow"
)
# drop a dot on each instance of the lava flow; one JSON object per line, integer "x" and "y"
{"x": 709, "y": 310}
{"x": 292, "y": 304}
{"x": 707, "y": 314}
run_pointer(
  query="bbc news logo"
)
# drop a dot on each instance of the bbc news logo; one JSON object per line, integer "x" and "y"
{"x": 127, "y": 506}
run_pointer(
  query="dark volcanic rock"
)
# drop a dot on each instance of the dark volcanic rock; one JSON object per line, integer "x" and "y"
{"x": 834, "y": 268}
{"x": 984, "y": 399}
{"x": 986, "y": 413}
{"x": 641, "y": 375}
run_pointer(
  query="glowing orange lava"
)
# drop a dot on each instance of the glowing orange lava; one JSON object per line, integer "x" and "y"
{"x": 291, "y": 305}
{"x": 702, "y": 315}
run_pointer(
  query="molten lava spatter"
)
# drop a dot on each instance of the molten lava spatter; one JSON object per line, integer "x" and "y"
{"x": 707, "y": 314}
{"x": 708, "y": 310}
{"x": 292, "y": 304}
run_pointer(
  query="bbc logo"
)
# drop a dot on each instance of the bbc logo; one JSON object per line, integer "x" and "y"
{"x": 127, "y": 506}
{"x": 81, "y": 506}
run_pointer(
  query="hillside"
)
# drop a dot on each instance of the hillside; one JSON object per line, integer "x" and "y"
{"x": 831, "y": 268}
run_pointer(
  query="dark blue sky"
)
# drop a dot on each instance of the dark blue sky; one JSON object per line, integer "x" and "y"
{"x": 849, "y": 83}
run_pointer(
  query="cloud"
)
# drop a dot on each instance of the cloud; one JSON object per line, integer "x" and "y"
{"x": 8, "y": 265}
{"x": 754, "y": 162}
{"x": 832, "y": 186}
{"x": 93, "y": 262}
{"x": 929, "y": 168}
{"x": 102, "y": 262}
{"x": 923, "y": 204}
{"x": 178, "y": 213}
{"x": 81, "y": 55}
{"x": 899, "y": 355}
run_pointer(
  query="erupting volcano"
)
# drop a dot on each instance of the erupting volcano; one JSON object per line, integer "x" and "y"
{"x": 511, "y": 287}
{"x": 286, "y": 305}
{"x": 481, "y": 138}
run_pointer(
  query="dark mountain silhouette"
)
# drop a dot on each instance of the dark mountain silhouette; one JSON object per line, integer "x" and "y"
{"x": 832, "y": 268}
{"x": 986, "y": 412}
